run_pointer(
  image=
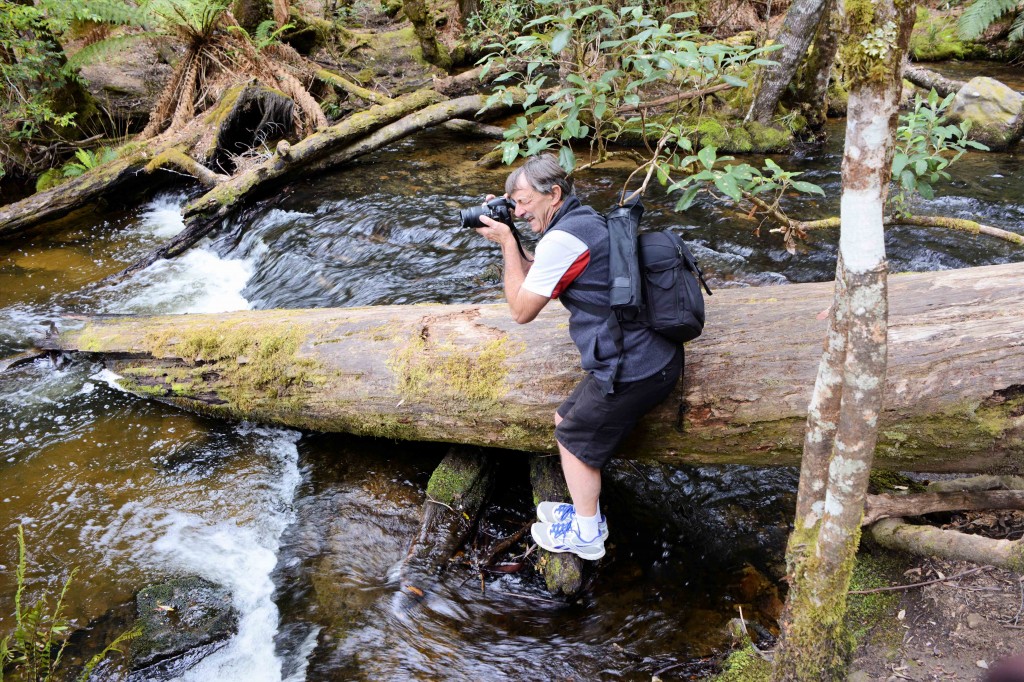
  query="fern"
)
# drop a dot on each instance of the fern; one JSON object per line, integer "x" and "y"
{"x": 113, "y": 647}
{"x": 1017, "y": 29}
{"x": 980, "y": 15}
{"x": 102, "y": 49}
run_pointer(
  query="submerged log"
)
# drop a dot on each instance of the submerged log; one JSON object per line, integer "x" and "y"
{"x": 456, "y": 493}
{"x": 954, "y": 395}
{"x": 563, "y": 572}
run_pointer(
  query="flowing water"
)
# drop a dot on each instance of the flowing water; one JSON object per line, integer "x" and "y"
{"x": 305, "y": 530}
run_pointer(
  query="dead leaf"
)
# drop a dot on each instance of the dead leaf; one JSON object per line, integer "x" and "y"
{"x": 415, "y": 590}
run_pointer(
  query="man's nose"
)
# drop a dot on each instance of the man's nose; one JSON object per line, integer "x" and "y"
{"x": 520, "y": 211}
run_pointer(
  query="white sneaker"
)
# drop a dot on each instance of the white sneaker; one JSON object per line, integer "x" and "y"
{"x": 560, "y": 512}
{"x": 564, "y": 537}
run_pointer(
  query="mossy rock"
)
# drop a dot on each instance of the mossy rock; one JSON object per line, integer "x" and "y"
{"x": 745, "y": 665}
{"x": 179, "y": 616}
{"x": 935, "y": 39}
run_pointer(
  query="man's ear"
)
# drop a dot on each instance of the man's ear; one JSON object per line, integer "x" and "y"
{"x": 557, "y": 192}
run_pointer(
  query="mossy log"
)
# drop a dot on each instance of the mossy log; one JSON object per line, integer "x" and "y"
{"x": 563, "y": 572}
{"x": 878, "y": 507}
{"x": 456, "y": 493}
{"x": 954, "y": 394}
{"x": 949, "y": 544}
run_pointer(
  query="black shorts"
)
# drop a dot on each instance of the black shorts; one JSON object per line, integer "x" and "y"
{"x": 595, "y": 423}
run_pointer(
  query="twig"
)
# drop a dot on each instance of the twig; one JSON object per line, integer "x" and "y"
{"x": 921, "y": 584}
{"x": 505, "y": 544}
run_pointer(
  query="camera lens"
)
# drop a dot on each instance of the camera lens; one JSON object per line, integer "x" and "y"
{"x": 471, "y": 216}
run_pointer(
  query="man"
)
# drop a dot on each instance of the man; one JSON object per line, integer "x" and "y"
{"x": 571, "y": 264}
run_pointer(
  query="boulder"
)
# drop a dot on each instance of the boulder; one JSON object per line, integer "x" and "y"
{"x": 128, "y": 83}
{"x": 180, "y": 616}
{"x": 994, "y": 110}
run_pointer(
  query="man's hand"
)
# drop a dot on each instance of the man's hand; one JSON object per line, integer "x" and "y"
{"x": 499, "y": 233}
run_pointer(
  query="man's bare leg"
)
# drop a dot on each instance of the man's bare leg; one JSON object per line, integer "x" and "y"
{"x": 583, "y": 480}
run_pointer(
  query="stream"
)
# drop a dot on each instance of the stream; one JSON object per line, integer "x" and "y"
{"x": 305, "y": 530}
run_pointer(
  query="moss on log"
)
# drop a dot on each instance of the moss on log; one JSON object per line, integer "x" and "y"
{"x": 954, "y": 395}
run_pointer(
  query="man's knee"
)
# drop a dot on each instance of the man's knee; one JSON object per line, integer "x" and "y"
{"x": 558, "y": 418}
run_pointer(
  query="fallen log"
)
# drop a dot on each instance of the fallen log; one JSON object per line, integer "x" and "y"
{"x": 949, "y": 544}
{"x": 355, "y": 136}
{"x": 931, "y": 80}
{"x": 954, "y": 397}
{"x": 878, "y": 507}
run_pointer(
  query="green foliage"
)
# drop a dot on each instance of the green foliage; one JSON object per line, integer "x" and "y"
{"x": 925, "y": 147}
{"x": 935, "y": 38}
{"x": 267, "y": 33}
{"x": 608, "y": 62}
{"x": 188, "y": 19}
{"x": 983, "y": 13}
{"x": 87, "y": 160}
{"x": 33, "y": 651}
{"x": 497, "y": 22}
{"x": 33, "y": 71}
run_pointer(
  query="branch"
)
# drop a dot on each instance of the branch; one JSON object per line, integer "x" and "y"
{"x": 689, "y": 94}
{"x": 948, "y": 544}
{"x": 884, "y": 506}
{"x": 958, "y": 224}
{"x": 350, "y": 87}
{"x": 179, "y": 159}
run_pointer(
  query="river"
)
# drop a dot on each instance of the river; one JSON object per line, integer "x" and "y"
{"x": 305, "y": 530}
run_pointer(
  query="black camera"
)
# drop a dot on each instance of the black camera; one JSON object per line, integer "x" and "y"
{"x": 499, "y": 209}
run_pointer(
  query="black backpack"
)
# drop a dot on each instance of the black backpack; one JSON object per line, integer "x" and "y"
{"x": 654, "y": 279}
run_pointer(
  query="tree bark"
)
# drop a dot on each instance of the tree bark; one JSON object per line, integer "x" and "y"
{"x": 813, "y": 90}
{"x": 467, "y": 373}
{"x": 796, "y": 34}
{"x": 949, "y": 544}
{"x": 821, "y": 551}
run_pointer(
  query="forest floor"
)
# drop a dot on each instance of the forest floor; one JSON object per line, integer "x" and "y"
{"x": 955, "y": 628}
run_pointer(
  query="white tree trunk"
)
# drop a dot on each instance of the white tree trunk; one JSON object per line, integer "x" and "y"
{"x": 830, "y": 505}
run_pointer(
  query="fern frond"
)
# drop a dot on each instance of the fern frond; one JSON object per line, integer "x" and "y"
{"x": 1017, "y": 29}
{"x": 102, "y": 49}
{"x": 980, "y": 16}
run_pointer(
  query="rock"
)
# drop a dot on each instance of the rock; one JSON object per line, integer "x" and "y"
{"x": 994, "y": 110}
{"x": 179, "y": 616}
{"x": 974, "y": 620}
{"x": 128, "y": 83}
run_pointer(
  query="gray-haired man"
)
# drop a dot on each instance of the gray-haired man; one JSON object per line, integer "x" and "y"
{"x": 571, "y": 264}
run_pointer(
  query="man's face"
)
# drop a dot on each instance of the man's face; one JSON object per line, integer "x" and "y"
{"x": 536, "y": 208}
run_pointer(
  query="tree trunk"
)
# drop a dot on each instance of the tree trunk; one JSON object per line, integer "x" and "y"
{"x": 812, "y": 92}
{"x": 796, "y": 34}
{"x": 468, "y": 374}
{"x": 424, "y": 24}
{"x": 821, "y": 551}
{"x": 563, "y": 571}
{"x": 456, "y": 493}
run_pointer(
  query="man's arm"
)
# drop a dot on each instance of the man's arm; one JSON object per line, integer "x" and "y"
{"x": 525, "y": 305}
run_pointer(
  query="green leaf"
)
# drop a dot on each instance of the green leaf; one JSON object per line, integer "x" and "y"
{"x": 560, "y": 40}
{"x": 925, "y": 190}
{"x": 509, "y": 153}
{"x": 566, "y": 159}
{"x": 707, "y": 156}
{"x": 733, "y": 80}
{"x": 899, "y": 162}
{"x": 688, "y": 196}
{"x": 727, "y": 183}
{"x": 807, "y": 188}
{"x": 908, "y": 180}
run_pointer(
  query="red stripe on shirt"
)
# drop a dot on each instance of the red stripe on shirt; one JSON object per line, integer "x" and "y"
{"x": 574, "y": 271}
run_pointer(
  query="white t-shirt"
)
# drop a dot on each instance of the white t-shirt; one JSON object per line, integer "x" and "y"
{"x": 559, "y": 259}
